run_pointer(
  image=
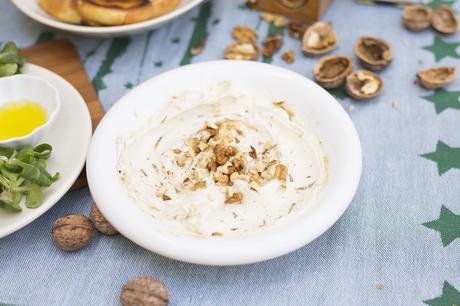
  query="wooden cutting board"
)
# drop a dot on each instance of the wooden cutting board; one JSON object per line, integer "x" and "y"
{"x": 61, "y": 57}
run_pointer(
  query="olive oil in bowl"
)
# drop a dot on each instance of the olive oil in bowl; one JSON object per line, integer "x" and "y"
{"x": 20, "y": 118}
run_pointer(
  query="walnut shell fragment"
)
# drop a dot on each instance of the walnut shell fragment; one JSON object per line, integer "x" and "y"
{"x": 445, "y": 20}
{"x": 100, "y": 222}
{"x": 417, "y": 17}
{"x": 363, "y": 84}
{"x": 331, "y": 71}
{"x": 144, "y": 291}
{"x": 436, "y": 77}
{"x": 374, "y": 53}
{"x": 242, "y": 51}
{"x": 72, "y": 232}
{"x": 319, "y": 38}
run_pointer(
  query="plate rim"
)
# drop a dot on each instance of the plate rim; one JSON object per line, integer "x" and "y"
{"x": 58, "y": 194}
{"x": 163, "y": 245}
{"x": 108, "y": 30}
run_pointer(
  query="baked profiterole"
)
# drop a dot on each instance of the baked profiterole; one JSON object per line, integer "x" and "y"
{"x": 113, "y": 12}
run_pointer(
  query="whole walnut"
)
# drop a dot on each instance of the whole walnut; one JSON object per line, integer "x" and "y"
{"x": 100, "y": 222}
{"x": 144, "y": 291}
{"x": 72, "y": 232}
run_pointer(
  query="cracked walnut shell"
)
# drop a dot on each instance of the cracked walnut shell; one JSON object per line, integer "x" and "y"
{"x": 417, "y": 17}
{"x": 72, "y": 232}
{"x": 100, "y": 222}
{"x": 242, "y": 51}
{"x": 363, "y": 84}
{"x": 374, "y": 53}
{"x": 319, "y": 38}
{"x": 331, "y": 71}
{"x": 445, "y": 20}
{"x": 436, "y": 77}
{"x": 144, "y": 291}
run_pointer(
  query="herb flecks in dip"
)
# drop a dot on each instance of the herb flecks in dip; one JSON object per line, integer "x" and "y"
{"x": 222, "y": 163}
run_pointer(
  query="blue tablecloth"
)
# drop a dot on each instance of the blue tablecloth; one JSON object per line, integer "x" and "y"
{"x": 398, "y": 242}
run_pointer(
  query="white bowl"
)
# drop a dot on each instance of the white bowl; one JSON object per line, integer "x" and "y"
{"x": 321, "y": 111}
{"x": 24, "y": 87}
{"x": 34, "y": 11}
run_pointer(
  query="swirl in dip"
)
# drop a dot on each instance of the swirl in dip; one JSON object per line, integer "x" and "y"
{"x": 221, "y": 164}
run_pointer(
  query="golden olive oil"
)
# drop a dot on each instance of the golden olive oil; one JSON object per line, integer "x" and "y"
{"x": 20, "y": 118}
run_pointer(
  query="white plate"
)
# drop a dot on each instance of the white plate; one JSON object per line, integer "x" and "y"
{"x": 69, "y": 135}
{"x": 33, "y": 10}
{"x": 325, "y": 116}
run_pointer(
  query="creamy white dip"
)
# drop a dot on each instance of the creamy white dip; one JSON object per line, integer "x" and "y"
{"x": 221, "y": 163}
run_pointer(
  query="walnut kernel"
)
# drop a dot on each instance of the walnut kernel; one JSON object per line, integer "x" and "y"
{"x": 272, "y": 44}
{"x": 242, "y": 51}
{"x": 288, "y": 56}
{"x": 244, "y": 34}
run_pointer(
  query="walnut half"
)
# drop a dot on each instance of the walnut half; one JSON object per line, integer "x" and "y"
{"x": 445, "y": 20}
{"x": 374, "y": 53}
{"x": 319, "y": 38}
{"x": 417, "y": 17}
{"x": 363, "y": 84}
{"x": 436, "y": 77}
{"x": 331, "y": 71}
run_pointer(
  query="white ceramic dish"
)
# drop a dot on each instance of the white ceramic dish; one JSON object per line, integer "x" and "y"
{"x": 72, "y": 122}
{"x": 33, "y": 10}
{"x": 25, "y": 87}
{"x": 324, "y": 115}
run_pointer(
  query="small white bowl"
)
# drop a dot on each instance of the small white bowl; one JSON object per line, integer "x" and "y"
{"x": 24, "y": 87}
{"x": 323, "y": 114}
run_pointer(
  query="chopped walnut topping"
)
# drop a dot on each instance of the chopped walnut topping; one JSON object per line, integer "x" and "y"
{"x": 253, "y": 153}
{"x": 199, "y": 185}
{"x": 177, "y": 151}
{"x": 166, "y": 198}
{"x": 281, "y": 172}
{"x": 283, "y": 105}
{"x": 237, "y": 197}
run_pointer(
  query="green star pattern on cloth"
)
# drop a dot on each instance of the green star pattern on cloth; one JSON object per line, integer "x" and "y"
{"x": 449, "y": 297}
{"x": 446, "y": 157}
{"x": 339, "y": 93}
{"x": 435, "y": 3}
{"x": 448, "y": 225}
{"x": 442, "y": 49}
{"x": 444, "y": 99}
